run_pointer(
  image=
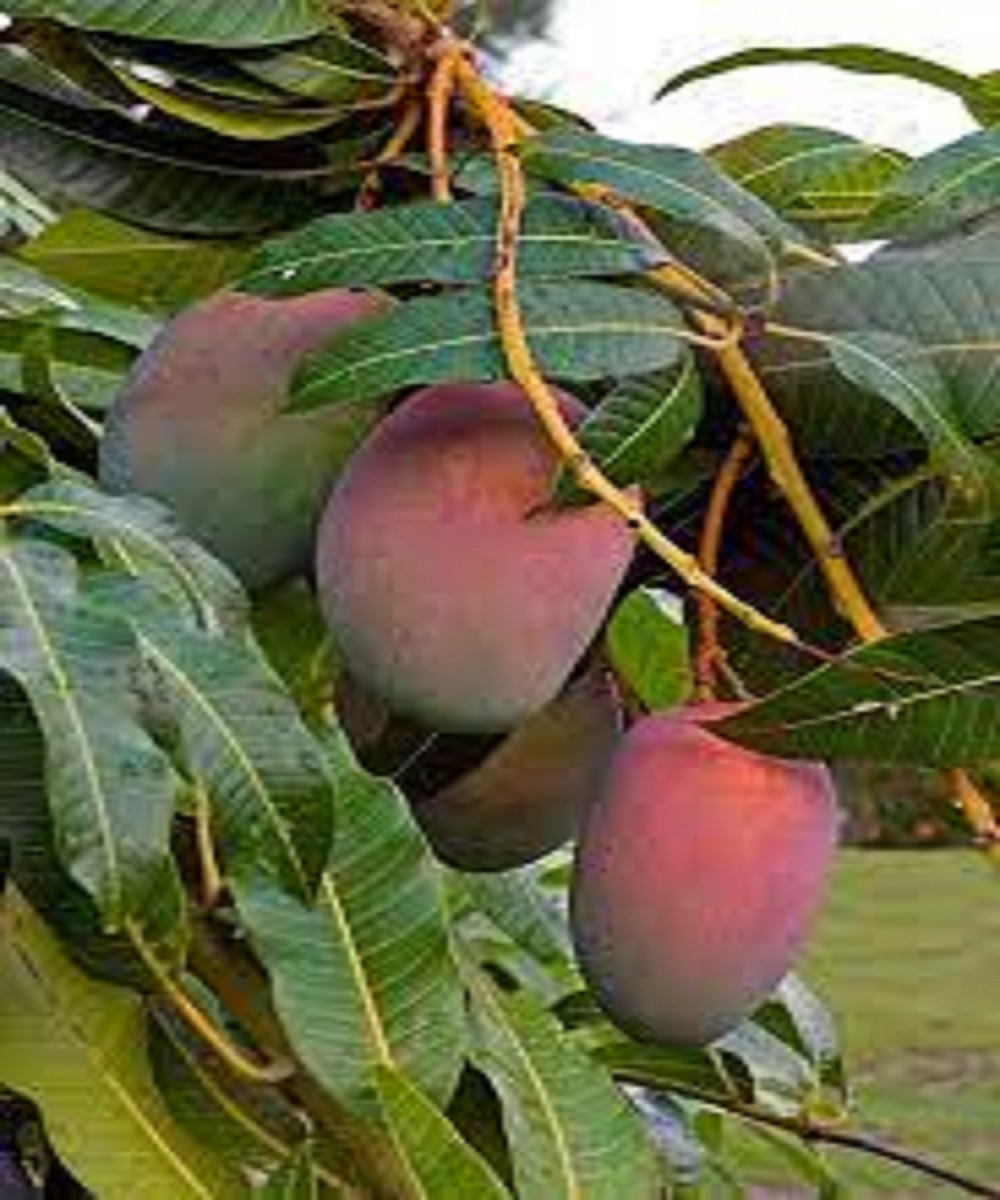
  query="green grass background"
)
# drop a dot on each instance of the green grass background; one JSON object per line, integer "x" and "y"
{"x": 907, "y": 956}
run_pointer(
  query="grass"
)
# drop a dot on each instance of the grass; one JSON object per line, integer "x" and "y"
{"x": 908, "y": 958}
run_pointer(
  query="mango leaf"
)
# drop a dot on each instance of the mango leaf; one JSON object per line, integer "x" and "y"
{"x": 797, "y": 1016}
{"x": 699, "y": 1074}
{"x": 518, "y": 904}
{"x": 21, "y": 212}
{"x": 254, "y": 123}
{"x": 243, "y": 1124}
{"x": 333, "y": 68}
{"x": 26, "y": 827}
{"x": 891, "y": 367}
{"x": 958, "y": 183}
{"x": 82, "y": 370}
{"x": 241, "y": 742}
{"x": 110, "y": 259}
{"x": 770, "y": 1071}
{"x": 648, "y": 648}
{"x": 44, "y": 65}
{"x": 863, "y": 59}
{"x": 811, "y": 176}
{"x": 364, "y": 975}
{"x": 111, "y": 789}
{"x": 147, "y": 539}
{"x": 571, "y": 1132}
{"x": 78, "y": 1048}
{"x": 253, "y": 23}
{"x": 637, "y": 430}
{"x": 576, "y": 330}
{"x": 927, "y": 545}
{"x": 945, "y": 305}
{"x": 927, "y": 697}
{"x": 441, "y": 1164}
{"x": 670, "y": 180}
{"x": 155, "y": 179}
{"x": 291, "y": 630}
{"x": 446, "y": 243}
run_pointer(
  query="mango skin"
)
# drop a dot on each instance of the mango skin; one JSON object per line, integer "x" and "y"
{"x": 530, "y": 793}
{"x": 696, "y": 878}
{"x": 198, "y": 426}
{"x": 451, "y": 591}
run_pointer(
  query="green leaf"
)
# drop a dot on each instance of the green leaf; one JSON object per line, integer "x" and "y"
{"x": 813, "y": 177}
{"x": 928, "y": 698}
{"x": 946, "y": 305}
{"x": 441, "y": 1164}
{"x": 675, "y": 182}
{"x": 571, "y": 1133}
{"x": 642, "y": 426}
{"x": 516, "y": 902}
{"x": 111, "y": 789}
{"x": 446, "y": 243}
{"x": 246, "y": 122}
{"x": 146, "y": 538}
{"x": 576, "y": 330}
{"x": 243, "y": 744}
{"x": 156, "y": 179}
{"x": 333, "y": 68}
{"x": 84, "y": 371}
{"x": 648, "y": 647}
{"x": 958, "y": 183}
{"x": 108, "y": 258}
{"x": 26, "y": 827}
{"x": 78, "y": 1048}
{"x": 250, "y": 23}
{"x": 364, "y": 976}
{"x": 866, "y": 60}
{"x": 894, "y": 369}
{"x": 243, "y": 1124}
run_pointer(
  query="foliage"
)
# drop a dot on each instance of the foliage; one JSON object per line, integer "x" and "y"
{"x": 219, "y": 913}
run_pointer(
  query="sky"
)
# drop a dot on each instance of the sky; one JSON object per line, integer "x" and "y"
{"x": 606, "y": 58}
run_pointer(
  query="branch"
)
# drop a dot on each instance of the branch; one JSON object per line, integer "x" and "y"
{"x": 710, "y": 654}
{"x": 504, "y": 130}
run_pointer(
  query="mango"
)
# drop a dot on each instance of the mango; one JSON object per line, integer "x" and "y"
{"x": 698, "y": 873}
{"x": 530, "y": 793}
{"x": 198, "y": 425}
{"x": 454, "y": 591}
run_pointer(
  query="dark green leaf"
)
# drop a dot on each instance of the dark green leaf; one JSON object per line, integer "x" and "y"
{"x": 675, "y": 182}
{"x": 333, "y": 68}
{"x": 648, "y": 648}
{"x": 243, "y": 744}
{"x": 446, "y": 243}
{"x": 250, "y": 23}
{"x": 364, "y": 976}
{"x": 442, "y": 1165}
{"x": 642, "y": 426}
{"x": 947, "y": 305}
{"x": 867, "y": 60}
{"x": 928, "y": 697}
{"x": 111, "y": 789}
{"x": 958, "y": 183}
{"x": 147, "y": 539}
{"x": 576, "y": 330}
{"x": 155, "y": 179}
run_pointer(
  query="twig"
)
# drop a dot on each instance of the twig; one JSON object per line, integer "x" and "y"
{"x": 811, "y": 1131}
{"x": 709, "y": 654}
{"x": 503, "y": 131}
{"x": 439, "y": 95}
{"x": 405, "y": 129}
{"x": 202, "y": 1026}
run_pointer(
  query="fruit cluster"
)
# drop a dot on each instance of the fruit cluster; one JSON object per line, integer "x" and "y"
{"x": 465, "y": 602}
